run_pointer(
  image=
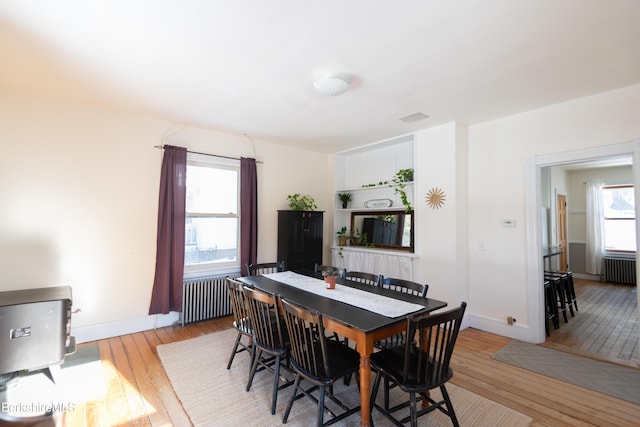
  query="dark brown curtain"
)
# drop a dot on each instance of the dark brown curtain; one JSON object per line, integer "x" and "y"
{"x": 167, "y": 285}
{"x": 248, "y": 213}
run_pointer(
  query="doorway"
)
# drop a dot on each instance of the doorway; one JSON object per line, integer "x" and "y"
{"x": 560, "y": 201}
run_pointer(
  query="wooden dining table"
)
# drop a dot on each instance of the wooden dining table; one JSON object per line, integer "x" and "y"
{"x": 362, "y": 326}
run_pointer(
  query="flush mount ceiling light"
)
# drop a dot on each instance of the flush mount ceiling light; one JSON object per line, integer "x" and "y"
{"x": 331, "y": 85}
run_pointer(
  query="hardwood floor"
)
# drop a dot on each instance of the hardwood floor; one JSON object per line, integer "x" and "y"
{"x": 605, "y": 327}
{"x": 139, "y": 393}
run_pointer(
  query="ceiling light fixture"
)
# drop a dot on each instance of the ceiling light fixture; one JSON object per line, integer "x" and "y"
{"x": 331, "y": 85}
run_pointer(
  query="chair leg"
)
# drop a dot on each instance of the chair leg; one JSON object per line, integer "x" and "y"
{"x": 276, "y": 383}
{"x": 254, "y": 367}
{"x": 386, "y": 393}
{"x": 234, "y": 350}
{"x": 567, "y": 294}
{"x": 452, "y": 413}
{"x": 296, "y": 383}
{"x": 321, "y": 407}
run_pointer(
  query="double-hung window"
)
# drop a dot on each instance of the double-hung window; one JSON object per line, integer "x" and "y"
{"x": 212, "y": 224}
{"x": 619, "y": 218}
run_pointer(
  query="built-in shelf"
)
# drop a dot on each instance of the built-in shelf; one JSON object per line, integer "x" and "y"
{"x": 364, "y": 249}
{"x": 363, "y": 209}
{"x": 376, "y": 187}
{"x": 375, "y": 163}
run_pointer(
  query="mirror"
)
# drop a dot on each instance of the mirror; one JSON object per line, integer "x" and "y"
{"x": 382, "y": 229}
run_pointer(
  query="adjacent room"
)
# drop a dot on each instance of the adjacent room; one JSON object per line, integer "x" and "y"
{"x": 190, "y": 190}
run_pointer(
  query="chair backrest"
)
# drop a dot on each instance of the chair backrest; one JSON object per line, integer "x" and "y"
{"x": 308, "y": 342}
{"x": 405, "y": 286}
{"x": 340, "y": 272}
{"x": 265, "y": 319}
{"x": 238, "y": 305}
{"x": 426, "y": 360}
{"x": 367, "y": 278}
{"x": 265, "y": 268}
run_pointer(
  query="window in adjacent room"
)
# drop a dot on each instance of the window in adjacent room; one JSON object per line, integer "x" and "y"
{"x": 619, "y": 218}
{"x": 212, "y": 216}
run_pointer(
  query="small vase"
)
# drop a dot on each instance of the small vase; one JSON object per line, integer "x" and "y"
{"x": 331, "y": 282}
{"x": 344, "y": 205}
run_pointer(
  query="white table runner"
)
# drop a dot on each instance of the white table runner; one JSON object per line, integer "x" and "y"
{"x": 389, "y": 307}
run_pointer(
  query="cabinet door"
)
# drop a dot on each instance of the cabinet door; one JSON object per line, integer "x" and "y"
{"x": 300, "y": 238}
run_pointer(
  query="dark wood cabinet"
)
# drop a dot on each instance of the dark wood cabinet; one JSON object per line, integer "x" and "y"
{"x": 300, "y": 239}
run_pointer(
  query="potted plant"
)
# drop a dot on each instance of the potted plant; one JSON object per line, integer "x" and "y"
{"x": 343, "y": 236}
{"x": 298, "y": 202}
{"x": 345, "y": 198}
{"x": 330, "y": 278}
{"x": 398, "y": 183}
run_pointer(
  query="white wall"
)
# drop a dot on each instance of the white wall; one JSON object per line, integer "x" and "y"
{"x": 441, "y": 239}
{"x": 499, "y": 151}
{"x": 79, "y": 196}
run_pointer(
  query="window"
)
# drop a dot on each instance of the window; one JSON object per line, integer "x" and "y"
{"x": 212, "y": 217}
{"x": 619, "y": 218}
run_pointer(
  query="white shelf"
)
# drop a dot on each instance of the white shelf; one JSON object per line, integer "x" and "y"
{"x": 377, "y": 187}
{"x": 363, "y": 209}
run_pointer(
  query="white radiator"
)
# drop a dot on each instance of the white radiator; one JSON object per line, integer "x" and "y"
{"x": 205, "y": 298}
{"x": 620, "y": 270}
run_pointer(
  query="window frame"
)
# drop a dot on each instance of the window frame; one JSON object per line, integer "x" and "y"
{"x": 214, "y": 268}
{"x": 605, "y": 219}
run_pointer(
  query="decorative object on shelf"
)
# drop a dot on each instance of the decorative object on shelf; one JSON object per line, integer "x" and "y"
{"x": 303, "y": 202}
{"x": 345, "y": 198}
{"x": 359, "y": 239}
{"x": 379, "y": 184}
{"x": 435, "y": 198}
{"x": 343, "y": 236}
{"x": 399, "y": 184}
{"x": 378, "y": 203}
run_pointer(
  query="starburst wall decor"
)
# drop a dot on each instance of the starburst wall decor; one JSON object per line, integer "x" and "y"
{"x": 435, "y": 198}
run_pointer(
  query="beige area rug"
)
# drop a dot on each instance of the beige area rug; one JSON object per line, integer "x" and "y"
{"x": 215, "y": 396}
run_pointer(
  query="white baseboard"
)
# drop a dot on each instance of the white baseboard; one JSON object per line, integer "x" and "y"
{"x": 516, "y": 331}
{"x": 123, "y": 327}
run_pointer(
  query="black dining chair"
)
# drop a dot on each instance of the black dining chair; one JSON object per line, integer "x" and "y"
{"x": 405, "y": 287}
{"x": 265, "y": 268}
{"x": 269, "y": 337}
{"x": 318, "y": 361}
{"x": 419, "y": 366}
{"x": 241, "y": 321}
{"x": 366, "y": 278}
{"x": 327, "y": 269}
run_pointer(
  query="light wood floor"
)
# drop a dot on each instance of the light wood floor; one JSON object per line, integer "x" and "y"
{"x": 606, "y": 325}
{"x": 139, "y": 393}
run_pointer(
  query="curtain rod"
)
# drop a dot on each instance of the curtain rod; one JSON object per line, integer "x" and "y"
{"x": 161, "y": 147}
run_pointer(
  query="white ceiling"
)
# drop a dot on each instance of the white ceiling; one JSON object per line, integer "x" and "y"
{"x": 247, "y": 66}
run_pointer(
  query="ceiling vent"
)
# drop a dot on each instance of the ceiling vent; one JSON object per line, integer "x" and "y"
{"x": 414, "y": 117}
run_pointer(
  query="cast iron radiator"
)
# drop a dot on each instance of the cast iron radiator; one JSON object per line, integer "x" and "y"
{"x": 620, "y": 270}
{"x": 205, "y": 298}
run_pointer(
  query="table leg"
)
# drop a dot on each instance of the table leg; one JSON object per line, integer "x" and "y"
{"x": 365, "y": 348}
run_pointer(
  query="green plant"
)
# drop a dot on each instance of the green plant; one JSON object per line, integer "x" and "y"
{"x": 303, "y": 202}
{"x": 345, "y": 198}
{"x": 398, "y": 183}
{"x": 343, "y": 238}
{"x": 406, "y": 175}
